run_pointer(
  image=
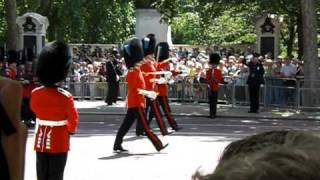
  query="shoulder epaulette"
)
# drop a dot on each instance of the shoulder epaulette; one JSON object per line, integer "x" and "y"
{"x": 64, "y": 92}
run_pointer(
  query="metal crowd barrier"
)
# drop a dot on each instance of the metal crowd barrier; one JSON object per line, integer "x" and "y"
{"x": 276, "y": 92}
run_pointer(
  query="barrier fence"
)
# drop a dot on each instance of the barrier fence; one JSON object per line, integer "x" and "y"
{"x": 275, "y": 92}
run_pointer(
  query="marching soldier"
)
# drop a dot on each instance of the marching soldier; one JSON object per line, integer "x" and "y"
{"x": 214, "y": 77}
{"x": 133, "y": 56}
{"x": 57, "y": 118}
{"x": 149, "y": 68}
{"x": 162, "y": 52}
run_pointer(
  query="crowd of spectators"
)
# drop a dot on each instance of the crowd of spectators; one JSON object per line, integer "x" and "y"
{"x": 89, "y": 68}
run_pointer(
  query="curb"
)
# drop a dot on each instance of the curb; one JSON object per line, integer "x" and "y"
{"x": 201, "y": 115}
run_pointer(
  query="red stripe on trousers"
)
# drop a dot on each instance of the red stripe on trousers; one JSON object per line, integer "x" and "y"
{"x": 159, "y": 119}
{"x": 171, "y": 121}
{"x": 151, "y": 136}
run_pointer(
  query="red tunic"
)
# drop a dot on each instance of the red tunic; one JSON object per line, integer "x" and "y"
{"x": 214, "y": 79}
{"x": 146, "y": 68}
{"x": 27, "y": 89}
{"x": 162, "y": 88}
{"x": 135, "y": 81}
{"x": 53, "y": 104}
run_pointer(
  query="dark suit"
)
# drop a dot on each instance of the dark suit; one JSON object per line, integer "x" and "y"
{"x": 113, "y": 83}
{"x": 255, "y": 79}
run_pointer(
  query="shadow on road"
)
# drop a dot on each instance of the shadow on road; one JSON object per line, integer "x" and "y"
{"x": 128, "y": 154}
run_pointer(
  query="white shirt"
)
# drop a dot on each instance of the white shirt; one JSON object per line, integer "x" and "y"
{"x": 288, "y": 70}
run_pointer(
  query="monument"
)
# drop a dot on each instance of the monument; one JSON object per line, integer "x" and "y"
{"x": 148, "y": 21}
{"x": 32, "y": 28}
{"x": 268, "y": 36}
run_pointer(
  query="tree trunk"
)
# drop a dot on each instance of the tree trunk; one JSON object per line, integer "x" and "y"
{"x": 11, "y": 15}
{"x": 310, "y": 54}
{"x": 292, "y": 33}
{"x": 45, "y": 7}
{"x": 300, "y": 35}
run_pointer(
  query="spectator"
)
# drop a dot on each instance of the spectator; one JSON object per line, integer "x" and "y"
{"x": 277, "y": 83}
{"x": 289, "y": 71}
{"x": 275, "y": 155}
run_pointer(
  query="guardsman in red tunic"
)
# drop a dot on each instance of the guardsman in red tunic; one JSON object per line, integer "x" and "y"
{"x": 213, "y": 77}
{"x": 149, "y": 68}
{"x": 57, "y": 117}
{"x": 162, "y": 51}
{"x": 133, "y": 56}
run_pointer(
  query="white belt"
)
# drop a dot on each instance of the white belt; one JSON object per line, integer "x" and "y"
{"x": 42, "y": 122}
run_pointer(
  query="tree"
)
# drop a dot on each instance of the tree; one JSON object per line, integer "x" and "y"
{"x": 310, "y": 54}
{"x": 209, "y": 10}
{"x": 12, "y": 32}
{"x": 3, "y": 24}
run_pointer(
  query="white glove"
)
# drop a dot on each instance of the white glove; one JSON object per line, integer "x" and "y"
{"x": 149, "y": 94}
{"x": 160, "y": 81}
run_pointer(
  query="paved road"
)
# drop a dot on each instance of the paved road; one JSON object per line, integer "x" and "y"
{"x": 198, "y": 145}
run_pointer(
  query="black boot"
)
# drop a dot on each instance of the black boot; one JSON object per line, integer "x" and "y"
{"x": 119, "y": 149}
{"x": 162, "y": 147}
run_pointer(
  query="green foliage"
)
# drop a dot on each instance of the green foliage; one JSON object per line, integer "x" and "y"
{"x": 81, "y": 21}
{"x": 193, "y": 21}
{"x": 3, "y": 25}
{"x": 223, "y": 30}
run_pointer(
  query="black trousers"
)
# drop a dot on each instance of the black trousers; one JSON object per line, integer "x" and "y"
{"x": 132, "y": 114}
{"x": 152, "y": 109}
{"x": 26, "y": 113}
{"x": 163, "y": 101}
{"x": 254, "y": 90}
{"x": 213, "y": 99}
{"x": 51, "y": 166}
{"x": 113, "y": 91}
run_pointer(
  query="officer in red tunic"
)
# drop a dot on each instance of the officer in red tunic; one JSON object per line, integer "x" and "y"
{"x": 162, "y": 50}
{"x": 133, "y": 55}
{"x": 148, "y": 68}
{"x": 56, "y": 114}
{"x": 213, "y": 77}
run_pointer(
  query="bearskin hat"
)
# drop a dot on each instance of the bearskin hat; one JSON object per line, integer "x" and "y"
{"x": 53, "y": 63}
{"x": 132, "y": 52}
{"x": 162, "y": 50}
{"x": 149, "y": 44}
{"x": 214, "y": 59}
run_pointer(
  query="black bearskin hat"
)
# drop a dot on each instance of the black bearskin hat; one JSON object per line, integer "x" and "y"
{"x": 12, "y": 56}
{"x": 53, "y": 63}
{"x": 1, "y": 54}
{"x": 214, "y": 59}
{"x": 132, "y": 52}
{"x": 162, "y": 50}
{"x": 149, "y": 44}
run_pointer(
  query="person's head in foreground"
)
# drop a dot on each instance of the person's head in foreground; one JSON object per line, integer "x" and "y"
{"x": 269, "y": 155}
